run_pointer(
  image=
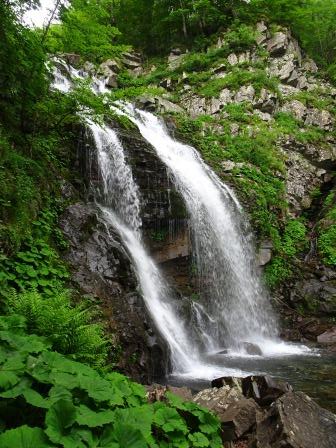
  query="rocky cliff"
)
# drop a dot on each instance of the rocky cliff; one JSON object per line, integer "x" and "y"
{"x": 262, "y": 115}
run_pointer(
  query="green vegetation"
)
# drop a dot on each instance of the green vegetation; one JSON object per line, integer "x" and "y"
{"x": 237, "y": 78}
{"x": 68, "y": 327}
{"x": 327, "y": 231}
{"x": 49, "y": 400}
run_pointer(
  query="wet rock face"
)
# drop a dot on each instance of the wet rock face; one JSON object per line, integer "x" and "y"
{"x": 296, "y": 421}
{"x": 315, "y": 295}
{"x": 102, "y": 269}
{"x": 264, "y": 389}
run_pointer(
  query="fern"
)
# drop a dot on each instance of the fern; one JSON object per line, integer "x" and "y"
{"x": 69, "y": 328}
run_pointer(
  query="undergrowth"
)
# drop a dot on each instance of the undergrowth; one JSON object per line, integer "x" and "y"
{"x": 48, "y": 400}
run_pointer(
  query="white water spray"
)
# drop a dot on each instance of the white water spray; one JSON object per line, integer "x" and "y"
{"x": 235, "y": 307}
{"x": 235, "y": 304}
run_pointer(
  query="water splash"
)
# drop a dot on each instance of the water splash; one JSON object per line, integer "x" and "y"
{"x": 235, "y": 307}
{"x": 232, "y": 294}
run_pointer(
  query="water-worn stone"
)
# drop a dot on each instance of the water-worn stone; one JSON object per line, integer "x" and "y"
{"x": 238, "y": 418}
{"x": 251, "y": 349}
{"x": 296, "y": 421}
{"x": 328, "y": 337}
{"x": 218, "y": 400}
{"x": 264, "y": 389}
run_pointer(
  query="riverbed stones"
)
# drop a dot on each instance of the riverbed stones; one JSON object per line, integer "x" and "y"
{"x": 218, "y": 399}
{"x": 264, "y": 389}
{"x": 296, "y": 421}
{"x": 328, "y": 337}
{"x": 239, "y": 418}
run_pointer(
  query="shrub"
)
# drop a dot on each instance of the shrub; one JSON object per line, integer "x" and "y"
{"x": 69, "y": 328}
{"x": 48, "y": 400}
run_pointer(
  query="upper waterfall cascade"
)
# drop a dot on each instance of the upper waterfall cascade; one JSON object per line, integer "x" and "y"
{"x": 234, "y": 308}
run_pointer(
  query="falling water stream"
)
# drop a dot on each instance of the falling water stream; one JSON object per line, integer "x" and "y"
{"x": 234, "y": 308}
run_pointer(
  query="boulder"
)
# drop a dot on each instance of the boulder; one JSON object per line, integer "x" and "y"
{"x": 251, "y": 349}
{"x": 264, "y": 389}
{"x": 218, "y": 400}
{"x": 157, "y": 392}
{"x": 110, "y": 64}
{"x": 321, "y": 118}
{"x": 309, "y": 66}
{"x": 166, "y": 106}
{"x": 111, "y": 81}
{"x": 230, "y": 381}
{"x": 266, "y": 102}
{"x": 232, "y": 59}
{"x": 316, "y": 296}
{"x": 278, "y": 44}
{"x": 328, "y": 337}
{"x": 296, "y": 421}
{"x": 175, "y": 58}
{"x": 245, "y": 93}
{"x": 72, "y": 59}
{"x": 296, "y": 108}
{"x": 239, "y": 418}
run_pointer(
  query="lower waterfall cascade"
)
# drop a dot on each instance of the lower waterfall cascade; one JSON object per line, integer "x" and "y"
{"x": 234, "y": 309}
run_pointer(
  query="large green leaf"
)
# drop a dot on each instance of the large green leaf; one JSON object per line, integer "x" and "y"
{"x": 18, "y": 389}
{"x": 170, "y": 420}
{"x": 123, "y": 435}
{"x": 59, "y": 418}
{"x": 92, "y": 419}
{"x": 24, "y": 437}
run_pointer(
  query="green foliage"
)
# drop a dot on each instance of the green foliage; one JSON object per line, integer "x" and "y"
{"x": 87, "y": 30}
{"x": 37, "y": 264}
{"x": 237, "y": 78}
{"x": 68, "y": 327}
{"x": 50, "y": 400}
{"x": 287, "y": 246}
{"x": 326, "y": 242}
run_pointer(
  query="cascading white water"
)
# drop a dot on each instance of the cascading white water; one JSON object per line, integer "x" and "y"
{"x": 120, "y": 205}
{"x": 235, "y": 308}
{"x": 235, "y": 304}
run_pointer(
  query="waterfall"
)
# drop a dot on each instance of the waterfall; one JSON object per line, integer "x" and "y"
{"x": 120, "y": 205}
{"x": 235, "y": 306}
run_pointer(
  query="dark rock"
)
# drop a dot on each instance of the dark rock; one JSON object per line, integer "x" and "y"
{"x": 315, "y": 296}
{"x": 101, "y": 268}
{"x": 72, "y": 59}
{"x": 252, "y": 349}
{"x": 239, "y": 418}
{"x": 278, "y": 44}
{"x": 296, "y": 421}
{"x": 328, "y": 337}
{"x": 230, "y": 381}
{"x": 218, "y": 400}
{"x": 264, "y": 389}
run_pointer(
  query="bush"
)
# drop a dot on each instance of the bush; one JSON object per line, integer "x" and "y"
{"x": 69, "y": 328}
{"x": 48, "y": 400}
